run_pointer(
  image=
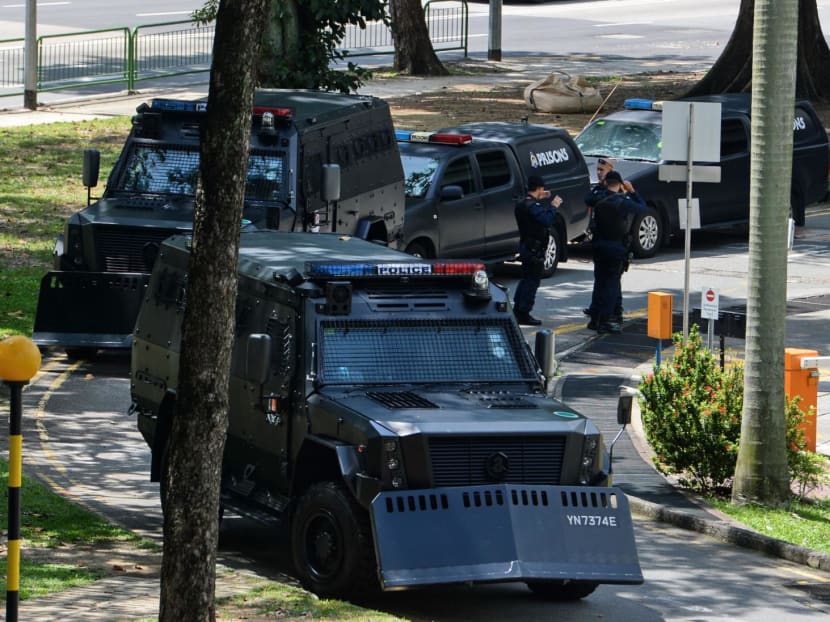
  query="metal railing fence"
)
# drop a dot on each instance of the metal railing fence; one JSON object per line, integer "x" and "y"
{"x": 447, "y": 21}
{"x": 149, "y": 51}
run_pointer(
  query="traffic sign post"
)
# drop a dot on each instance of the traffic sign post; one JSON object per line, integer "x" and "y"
{"x": 691, "y": 133}
{"x": 709, "y": 300}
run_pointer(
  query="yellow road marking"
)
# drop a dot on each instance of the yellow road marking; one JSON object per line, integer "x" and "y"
{"x": 43, "y": 434}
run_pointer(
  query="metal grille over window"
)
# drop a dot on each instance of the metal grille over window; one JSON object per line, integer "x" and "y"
{"x": 406, "y": 351}
{"x": 174, "y": 169}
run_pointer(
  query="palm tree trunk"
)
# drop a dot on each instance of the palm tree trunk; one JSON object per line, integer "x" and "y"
{"x": 761, "y": 472}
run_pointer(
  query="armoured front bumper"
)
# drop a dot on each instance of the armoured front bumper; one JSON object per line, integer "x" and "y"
{"x": 504, "y": 533}
{"x": 88, "y": 309}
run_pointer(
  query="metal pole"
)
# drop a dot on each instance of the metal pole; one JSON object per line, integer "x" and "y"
{"x": 710, "y": 334}
{"x": 494, "y": 31}
{"x": 15, "y": 482}
{"x": 30, "y": 57}
{"x": 659, "y": 356}
{"x": 688, "y": 240}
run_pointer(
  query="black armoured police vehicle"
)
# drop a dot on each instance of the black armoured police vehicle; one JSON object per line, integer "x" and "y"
{"x": 391, "y": 409}
{"x": 318, "y": 162}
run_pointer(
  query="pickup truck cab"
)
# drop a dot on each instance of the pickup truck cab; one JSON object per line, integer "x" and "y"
{"x": 633, "y": 137}
{"x": 462, "y": 184}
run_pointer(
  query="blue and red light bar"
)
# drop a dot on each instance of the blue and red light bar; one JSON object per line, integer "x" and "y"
{"x": 641, "y": 103}
{"x": 393, "y": 270}
{"x": 443, "y": 138}
{"x": 277, "y": 111}
{"x": 177, "y": 105}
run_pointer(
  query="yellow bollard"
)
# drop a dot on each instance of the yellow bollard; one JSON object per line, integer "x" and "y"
{"x": 659, "y": 320}
{"x": 19, "y": 361}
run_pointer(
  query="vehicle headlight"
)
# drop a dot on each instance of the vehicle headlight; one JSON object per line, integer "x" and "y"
{"x": 590, "y": 448}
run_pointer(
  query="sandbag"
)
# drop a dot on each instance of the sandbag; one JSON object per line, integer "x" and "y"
{"x": 561, "y": 92}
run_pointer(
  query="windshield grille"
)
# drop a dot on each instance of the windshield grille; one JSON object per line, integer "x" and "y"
{"x": 470, "y": 461}
{"x": 423, "y": 351}
{"x": 174, "y": 169}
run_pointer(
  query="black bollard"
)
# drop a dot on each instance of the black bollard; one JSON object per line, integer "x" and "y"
{"x": 15, "y": 483}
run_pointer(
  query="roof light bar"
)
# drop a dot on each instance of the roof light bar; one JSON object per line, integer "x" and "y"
{"x": 641, "y": 103}
{"x": 277, "y": 111}
{"x": 392, "y": 270}
{"x": 445, "y": 138}
{"x": 176, "y": 105}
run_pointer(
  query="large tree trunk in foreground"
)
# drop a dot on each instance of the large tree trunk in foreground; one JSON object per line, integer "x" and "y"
{"x": 732, "y": 72}
{"x": 761, "y": 474}
{"x": 191, "y": 521}
{"x": 413, "y": 49}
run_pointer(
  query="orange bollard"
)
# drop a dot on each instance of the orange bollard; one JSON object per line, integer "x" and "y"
{"x": 803, "y": 382}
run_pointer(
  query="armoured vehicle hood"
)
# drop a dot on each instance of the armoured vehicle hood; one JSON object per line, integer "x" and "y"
{"x": 410, "y": 412}
{"x": 174, "y": 211}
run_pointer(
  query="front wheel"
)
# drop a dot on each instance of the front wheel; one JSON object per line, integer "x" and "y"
{"x": 562, "y": 590}
{"x": 551, "y": 254}
{"x": 647, "y": 232}
{"x": 332, "y": 543}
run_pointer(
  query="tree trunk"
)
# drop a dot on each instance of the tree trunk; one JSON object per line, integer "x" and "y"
{"x": 732, "y": 72}
{"x": 197, "y": 440}
{"x": 413, "y": 49}
{"x": 761, "y": 474}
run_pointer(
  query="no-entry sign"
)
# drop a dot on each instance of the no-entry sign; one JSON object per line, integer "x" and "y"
{"x": 709, "y": 304}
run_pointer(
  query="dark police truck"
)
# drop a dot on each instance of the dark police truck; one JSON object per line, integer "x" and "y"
{"x": 318, "y": 162}
{"x": 391, "y": 410}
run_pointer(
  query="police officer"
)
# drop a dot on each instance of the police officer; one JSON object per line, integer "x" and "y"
{"x": 534, "y": 217}
{"x": 614, "y": 209}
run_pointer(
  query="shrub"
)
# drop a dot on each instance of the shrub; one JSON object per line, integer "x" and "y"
{"x": 691, "y": 412}
{"x": 808, "y": 470}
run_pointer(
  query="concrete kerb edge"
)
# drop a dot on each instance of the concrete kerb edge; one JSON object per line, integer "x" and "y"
{"x": 745, "y": 538}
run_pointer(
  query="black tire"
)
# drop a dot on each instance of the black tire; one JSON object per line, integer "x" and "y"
{"x": 562, "y": 590}
{"x": 420, "y": 249}
{"x": 552, "y": 254}
{"x": 332, "y": 543}
{"x": 647, "y": 233}
{"x": 81, "y": 354}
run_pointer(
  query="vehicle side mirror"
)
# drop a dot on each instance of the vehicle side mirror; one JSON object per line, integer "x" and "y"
{"x": 624, "y": 406}
{"x": 91, "y": 167}
{"x": 451, "y": 193}
{"x": 257, "y": 358}
{"x": 544, "y": 351}
{"x": 331, "y": 182}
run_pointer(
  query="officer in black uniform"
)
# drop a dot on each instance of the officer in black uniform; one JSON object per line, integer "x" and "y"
{"x": 534, "y": 217}
{"x": 614, "y": 209}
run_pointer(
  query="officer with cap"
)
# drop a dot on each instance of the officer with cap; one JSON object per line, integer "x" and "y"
{"x": 614, "y": 209}
{"x": 534, "y": 217}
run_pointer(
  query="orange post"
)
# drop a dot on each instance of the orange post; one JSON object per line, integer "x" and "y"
{"x": 803, "y": 382}
{"x": 659, "y": 315}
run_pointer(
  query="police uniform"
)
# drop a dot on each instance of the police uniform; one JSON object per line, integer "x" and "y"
{"x": 534, "y": 219}
{"x": 613, "y": 213}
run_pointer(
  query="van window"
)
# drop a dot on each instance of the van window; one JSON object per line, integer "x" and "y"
{"x": 733, "y": 139}
{"x": 459, "y": 173}
{"x": 494, "y": 169}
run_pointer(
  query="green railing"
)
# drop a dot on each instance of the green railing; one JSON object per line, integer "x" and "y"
{"x": 447, "y": 21}
{"x": 151, "y": 51}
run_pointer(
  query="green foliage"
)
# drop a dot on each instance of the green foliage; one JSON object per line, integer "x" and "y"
{"x": 301, "y": 42}
{"x": 808, "y": 470}
{"x": 691, "y": 411}
{"x": 41, "y": 187}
